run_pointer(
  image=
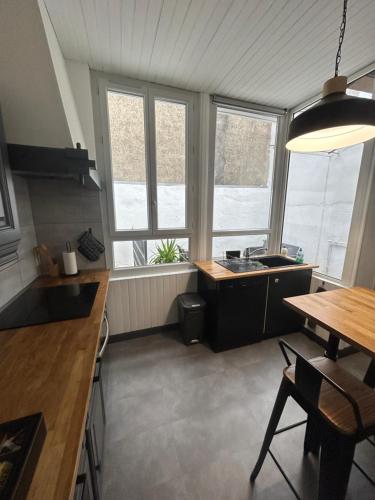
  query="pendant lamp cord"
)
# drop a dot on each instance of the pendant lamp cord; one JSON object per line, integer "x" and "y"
{"x": 341, "y": 38}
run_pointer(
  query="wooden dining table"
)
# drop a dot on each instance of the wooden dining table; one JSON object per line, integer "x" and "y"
{"x": 347, "y": 314}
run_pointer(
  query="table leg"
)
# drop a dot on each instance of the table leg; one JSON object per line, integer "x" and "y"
{"x": 370, "y": 374}
{"x": 332, "y": 347}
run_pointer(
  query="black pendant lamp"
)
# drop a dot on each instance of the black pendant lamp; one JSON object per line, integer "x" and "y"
{"x": 337, "y": 120}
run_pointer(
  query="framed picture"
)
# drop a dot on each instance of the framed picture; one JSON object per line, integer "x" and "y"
{"x": 21, "y": 442}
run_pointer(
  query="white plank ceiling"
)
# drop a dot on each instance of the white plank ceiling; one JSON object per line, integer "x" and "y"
{"x": 276, "y": 52}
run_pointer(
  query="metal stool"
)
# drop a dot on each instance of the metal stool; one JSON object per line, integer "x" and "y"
{"x": 341, "y": 413}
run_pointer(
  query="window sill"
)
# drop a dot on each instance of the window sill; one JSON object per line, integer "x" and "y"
{"x": 152, "y": 271}
{"x": 333, "y": 282}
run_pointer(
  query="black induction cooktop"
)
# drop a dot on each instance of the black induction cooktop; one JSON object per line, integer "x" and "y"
{"x": 36, "y": 306}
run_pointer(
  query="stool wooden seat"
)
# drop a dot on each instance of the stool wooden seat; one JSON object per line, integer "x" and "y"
{"x": 341, "y": 413}
{"x": 333, "y": 406}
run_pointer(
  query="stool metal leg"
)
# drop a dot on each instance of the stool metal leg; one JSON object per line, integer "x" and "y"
{"x": 370, "y": 375}
{"x": 281, "y": 398}
{"x": 312, "y": 438}
{"x": 336, "y": 460}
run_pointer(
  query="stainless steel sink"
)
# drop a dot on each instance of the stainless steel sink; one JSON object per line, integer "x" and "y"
{"x": 276, "y": 261}
{"x": 245, "y": 265}
{"x": 242, "y": 265}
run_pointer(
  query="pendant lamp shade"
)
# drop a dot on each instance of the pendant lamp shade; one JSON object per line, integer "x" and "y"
{"x": 338, "y": 120}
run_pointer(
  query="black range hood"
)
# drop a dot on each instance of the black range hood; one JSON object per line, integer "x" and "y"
{"x": 55, "y": 163}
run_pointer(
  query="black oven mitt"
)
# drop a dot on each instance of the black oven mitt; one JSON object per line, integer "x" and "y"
{"x": 89, "y": 246}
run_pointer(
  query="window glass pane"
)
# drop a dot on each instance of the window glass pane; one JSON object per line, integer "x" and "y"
{"x": 363, "y": 87}
{"x": 244, "y": 159}
{"x": 128, "y": 157}
{"x": 319, "y": 206}
{"x": 248, "y": 245}
{"x": 3, "y": 215}
{"x": 170, "y": 120}
{"x": 150, "y": 252}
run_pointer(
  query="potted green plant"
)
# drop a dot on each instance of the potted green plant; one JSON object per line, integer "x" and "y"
{"x": 168, "y": 252}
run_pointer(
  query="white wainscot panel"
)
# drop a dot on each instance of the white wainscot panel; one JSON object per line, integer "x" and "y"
{"x": 147, "y": 302}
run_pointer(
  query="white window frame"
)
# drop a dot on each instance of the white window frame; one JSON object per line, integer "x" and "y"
{"x": 202, "y": 131}
{"x": 149, "y": 92}
{"x": 278, "y": 181}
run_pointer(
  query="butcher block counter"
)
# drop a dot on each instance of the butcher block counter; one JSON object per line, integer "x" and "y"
{"x": 217, "y": 272}
{"x": 49, "y": 368}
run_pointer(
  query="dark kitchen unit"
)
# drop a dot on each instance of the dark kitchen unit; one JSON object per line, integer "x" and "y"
{"x": 246, "y": 309}
{"x": 54, "y": 336}
{"x": 92, "y": 451}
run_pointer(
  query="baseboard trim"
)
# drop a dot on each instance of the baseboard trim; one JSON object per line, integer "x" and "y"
{"x": 342, "y": 353}
{"x": 119, "y": 337}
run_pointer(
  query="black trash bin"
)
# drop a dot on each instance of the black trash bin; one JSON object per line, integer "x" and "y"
{"x": 191, "y": 309}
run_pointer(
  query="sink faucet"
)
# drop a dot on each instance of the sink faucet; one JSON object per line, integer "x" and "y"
{"x": 248, "y": 254}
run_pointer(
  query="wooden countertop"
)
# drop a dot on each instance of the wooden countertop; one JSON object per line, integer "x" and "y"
{"x": 349, "y": 313}
{"x": 218, "y": 272}
{"x": 49, "y": 368}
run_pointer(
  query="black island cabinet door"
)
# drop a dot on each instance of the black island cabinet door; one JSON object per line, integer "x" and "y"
{"x": 241, "y": 309}
{"x": 280, "y": 319}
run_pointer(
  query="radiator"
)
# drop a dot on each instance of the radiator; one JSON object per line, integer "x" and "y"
{"x": 139, "y": 303}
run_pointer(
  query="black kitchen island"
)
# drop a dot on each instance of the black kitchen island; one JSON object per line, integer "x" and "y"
{"x": 247, "y": 307}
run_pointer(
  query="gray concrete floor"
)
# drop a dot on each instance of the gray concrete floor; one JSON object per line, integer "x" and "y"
{"x": 185, "y": 423}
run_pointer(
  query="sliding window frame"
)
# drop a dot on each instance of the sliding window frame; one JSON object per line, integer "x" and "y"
{"x": 101, "y": 84}
{"x": 274, "y": 230}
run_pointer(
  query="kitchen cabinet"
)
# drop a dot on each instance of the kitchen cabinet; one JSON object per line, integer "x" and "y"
{"x": 95, "y": 431}
{"x": 89, "y": 479}
{"x": 84, "y": 483}
{"x": 280, "y": 319}
{"x": 236, "y": 308}
{"x": 241, "y": 310}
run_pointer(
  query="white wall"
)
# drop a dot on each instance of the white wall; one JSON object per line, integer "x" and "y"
{"x": 62, "y": 78}
{"x": 79, "y": 76}
{"x": 366, "y": 265}
{"x": 33, "y": 112}
{"x": 35, "y": 92}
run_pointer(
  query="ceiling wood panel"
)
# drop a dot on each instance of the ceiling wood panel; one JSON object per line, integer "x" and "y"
{"x": 311, "y": 31}
{"x": 276, "y": 52}
{"x": 242, "y": 43}
{"x": 160, "y": 39}
{"x": 195, "y": 12}
{"x": 215, "y": 39}
{"x": 209, "y": 21}
{"x": 172, "y": 36}
{"x": 115, "y": 27}
{"x": 323, "y": 65}
{"x": 292, "y": 26}
{"x": 128, "y": 12}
